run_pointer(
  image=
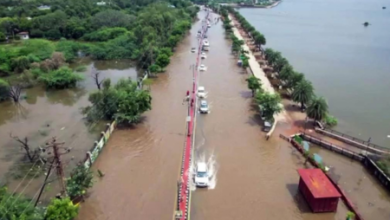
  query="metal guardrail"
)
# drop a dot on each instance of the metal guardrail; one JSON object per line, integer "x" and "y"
{"x": 357, "y": 139}
{"x": 332, "y": 147}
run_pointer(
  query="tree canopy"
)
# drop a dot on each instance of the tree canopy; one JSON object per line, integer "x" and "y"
{"x": 317, "y": 109}
{"x": 123, "y": 102}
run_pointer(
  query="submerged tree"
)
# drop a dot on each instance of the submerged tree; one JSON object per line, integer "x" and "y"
{"x": 270, "y": 104}
{"x": 123, "y": 102}
{"x": 317, "y": 109}
{"x": 254, "y": 84}
{"x": 80, "y": 180}
{"x": 61, "y": 78}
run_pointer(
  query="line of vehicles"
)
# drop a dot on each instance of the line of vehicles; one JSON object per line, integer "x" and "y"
{"x": 202, "y": 176}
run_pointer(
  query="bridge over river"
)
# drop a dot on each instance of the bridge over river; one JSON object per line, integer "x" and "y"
{"x": 255, "y": 178}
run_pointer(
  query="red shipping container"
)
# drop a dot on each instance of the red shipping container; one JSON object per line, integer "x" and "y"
{"x": 318, "y": 191}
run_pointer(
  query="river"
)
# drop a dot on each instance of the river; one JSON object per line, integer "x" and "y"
{"x": 347, "y": 62}
{"x": 43, "y": 114}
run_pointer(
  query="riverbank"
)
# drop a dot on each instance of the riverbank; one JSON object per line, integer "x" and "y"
{"x": 267, "y": 6}
{"x": 340, "y": 68}
{"x": 365, "y": 209}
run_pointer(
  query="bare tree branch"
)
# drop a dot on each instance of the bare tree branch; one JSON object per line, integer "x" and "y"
{"x": 95, "y": 75}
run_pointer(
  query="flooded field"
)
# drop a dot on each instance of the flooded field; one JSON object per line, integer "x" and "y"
{"x": 44, "y": 114}
{"x": 141, "y": 164}
{"x": 370, "y": 198}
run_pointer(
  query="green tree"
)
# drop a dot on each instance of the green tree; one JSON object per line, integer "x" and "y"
{"x": 80, "y": 180}
{"x": 294, "y": 79}
{"x": 61, "y": 209}
{"x": 286, "y": 72}
{"x": 15, "y": 206}
{"x": 60, "y": 79}
{"x": 2, "y": 37}
{"x": 254, "y": 84}
{"x": 272, "y": 56}
{"x": 303, "y": 93}
{"x": 123, "y": 102}
{"x": 259, "y": 38}
{"x": 280, "y": 63}
{"x": 154, "y": 68}
{"x": 317, "y": 109}
{"x": 111, "y": 18}
{"x": 162, "y": 60}
{"x": 20, "y": 63}
{"x": 4, "y": 90}
{"x": 270, "y": 104}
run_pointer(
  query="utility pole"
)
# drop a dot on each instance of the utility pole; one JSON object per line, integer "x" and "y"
{"x": 58, "y": 163}
{"x": 44, "y": 183}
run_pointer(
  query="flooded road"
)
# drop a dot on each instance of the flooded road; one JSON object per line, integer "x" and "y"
{"x": 141, "y": 164}
{"x": 43, "y": 114}
{"x": 255, "y": 178}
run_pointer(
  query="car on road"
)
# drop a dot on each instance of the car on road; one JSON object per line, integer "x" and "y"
{"x": 201, "y": 92}
{"x": 204, "y": 107}
{"x": 203, "y": 55}
{"x": 193, "y": 50}
{"x": 202, "y": 67}
{"x": 206, "y": 43}
{"x": 201, "y": 176}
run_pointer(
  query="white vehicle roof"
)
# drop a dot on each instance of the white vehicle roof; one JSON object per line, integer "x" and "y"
{"x": 203, "y": 102}
{"x": 200, "y": 88}
{"x": 201, "y": 167}
{"x": 202, "y": 65}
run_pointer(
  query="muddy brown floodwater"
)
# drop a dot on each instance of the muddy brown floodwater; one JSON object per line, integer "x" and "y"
{"x": 370, "y": 198}
{"x": 256, "y": 179}
{"x": 141, "y": 164}
{"x": 44, "y": 114}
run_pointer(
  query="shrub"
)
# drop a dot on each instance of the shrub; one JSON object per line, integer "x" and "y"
{"x": 4, "y": 89}
{"x": 61, "y": 209}
{"x": 105, "y": 34}
{"x": 37, "y": 47}
{"x": 330, "y": 120}
{"x": 80, "y": 180}
{"x": 298, "y": 139}
{"x": 2, "y": 37}
{"x": 69, "y": 49}
{"x": 60, "y": 79}
{"x": 20, "y": 63}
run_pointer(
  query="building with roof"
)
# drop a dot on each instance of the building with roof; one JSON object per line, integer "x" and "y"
{"x": 319, "y": 192}
{"x": 24, "y": 35}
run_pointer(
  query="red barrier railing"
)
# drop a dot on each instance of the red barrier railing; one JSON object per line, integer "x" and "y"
{"x": 184, "y": 185}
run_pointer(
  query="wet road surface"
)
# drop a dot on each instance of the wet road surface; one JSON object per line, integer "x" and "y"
{"x": 141, "y": 164}
{"x": 256, "y": 179}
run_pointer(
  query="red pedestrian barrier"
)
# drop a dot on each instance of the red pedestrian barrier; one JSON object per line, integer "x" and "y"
{"x": 184, "y": 186}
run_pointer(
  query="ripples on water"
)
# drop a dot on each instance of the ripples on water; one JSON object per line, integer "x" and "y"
{"x": 212, "y": 169}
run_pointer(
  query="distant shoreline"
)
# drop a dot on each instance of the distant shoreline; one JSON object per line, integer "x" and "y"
{"x": 274, "y": 4}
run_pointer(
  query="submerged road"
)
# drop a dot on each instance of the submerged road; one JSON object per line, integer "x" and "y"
{"x": 141, "y": 164}
{"x": 255, "y": 178}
